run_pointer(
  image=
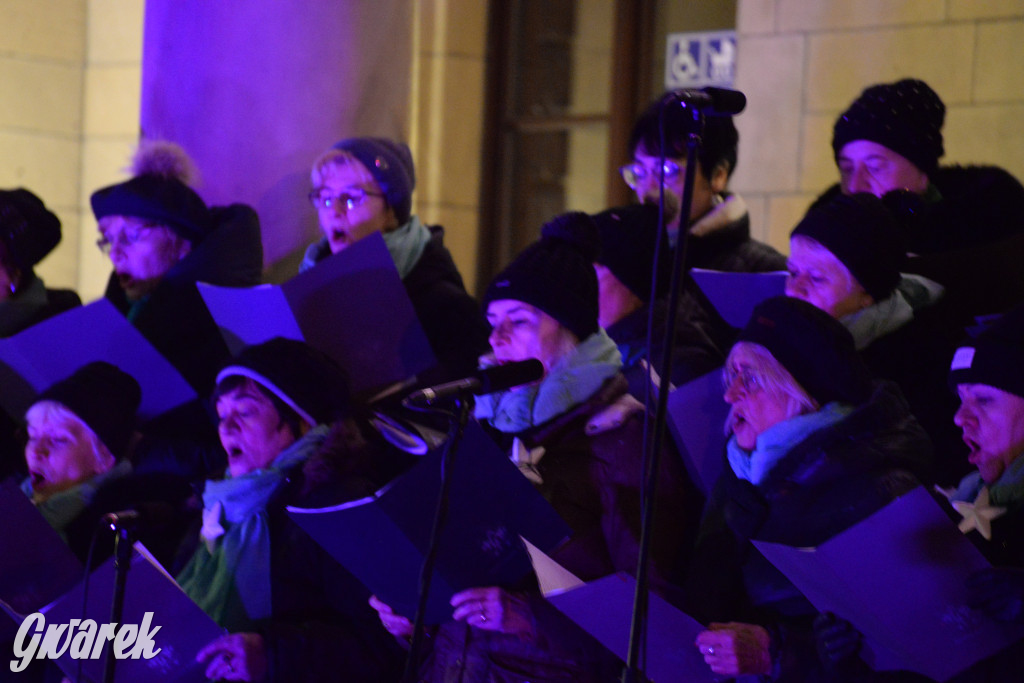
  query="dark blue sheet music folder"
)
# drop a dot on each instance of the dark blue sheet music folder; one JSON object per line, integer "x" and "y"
{"x": 352, "y": 306}
{"x": 382, "y": 539}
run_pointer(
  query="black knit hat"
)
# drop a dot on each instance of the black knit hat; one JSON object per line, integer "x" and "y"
{"x": 305, "y": 379}
{"x": 29, "y": 231}
{"x": 629, "y": 236}
{"x": 813, "y": 346}
{"x": 160, "y": 199}
{"x": 995, "y": 358}
{"x": 863, "y": 235}
{"x": 556, "y": 274}
{"x": 905, "y": 116}
{"x": 390, "y": 164}
{"x": 102, "y": 396}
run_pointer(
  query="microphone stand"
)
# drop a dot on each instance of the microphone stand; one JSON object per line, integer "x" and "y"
{"x": 633, "y": 671}
{"x": 459, "y": 418}
{"x": 122, "y": 563}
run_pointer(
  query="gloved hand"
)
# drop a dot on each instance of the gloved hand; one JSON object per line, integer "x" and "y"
{"x": 837, "y": 641}
{"x": 998, "y": 592}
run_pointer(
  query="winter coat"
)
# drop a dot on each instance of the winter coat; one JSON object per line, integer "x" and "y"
{"x": 720, "y": 240}
{"x": 34, "y": 303}
{"x": 175, "y": 320}
{"x": 591, "y": 476}
{"x": 321, "y": 625}
{"x": 694, "y": 354}
{"x": 450, "y": 317}
{"x": 966, "y": 234}
{"x": 827, "y": 482}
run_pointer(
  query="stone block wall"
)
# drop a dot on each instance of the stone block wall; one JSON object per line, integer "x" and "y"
{"x": 801, "y": 63}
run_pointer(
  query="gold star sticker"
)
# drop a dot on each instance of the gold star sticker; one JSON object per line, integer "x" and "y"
{"x": 978, "y": 515}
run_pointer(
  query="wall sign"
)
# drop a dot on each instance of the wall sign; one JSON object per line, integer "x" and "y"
{"x": 693, "y": 60}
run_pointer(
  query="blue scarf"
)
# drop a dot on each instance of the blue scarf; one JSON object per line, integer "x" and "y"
{"x": 571, "y": 381}
{"x": 1007, "y": 491}
{"x": 774, "y": 443}
{"x": 229, "y": 574}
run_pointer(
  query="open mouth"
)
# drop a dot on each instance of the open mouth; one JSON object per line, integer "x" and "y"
{"x": 973, "y": 448}
{"x": 37, "y": 479}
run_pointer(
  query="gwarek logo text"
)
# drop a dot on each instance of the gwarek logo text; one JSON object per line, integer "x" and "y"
{"x": 81, "y": 639}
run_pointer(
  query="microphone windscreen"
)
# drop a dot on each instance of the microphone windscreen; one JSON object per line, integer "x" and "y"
{"x": 501, "y": 377}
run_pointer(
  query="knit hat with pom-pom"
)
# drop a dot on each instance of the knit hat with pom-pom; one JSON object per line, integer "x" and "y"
{"x": 159, "y": 193}
{"x": 556, "y": 274}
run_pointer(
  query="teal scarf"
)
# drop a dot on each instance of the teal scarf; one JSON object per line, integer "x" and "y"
{"x": 1007, "y": 491}
{"x": 775, "y": 442}
{"x": 569, "y": 383}
{"x": 882, "y": 317}
{"x": 62, "y": 508}
{"x": 229, "y": 574}
{"x": 406, "y": 244}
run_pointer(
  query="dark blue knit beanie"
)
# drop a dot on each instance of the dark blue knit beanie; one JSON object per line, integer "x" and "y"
{"x": 390, "y": 164}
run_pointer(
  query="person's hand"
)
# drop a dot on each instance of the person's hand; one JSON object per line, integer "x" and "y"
{"x": 734, "y": 649}
{"x": 235, "y": 657}
{"x": 493, "y": 609}
{"x": 836, "y": 640}
{"x": 395, "y": 624}
{"x": 998, "y": 592}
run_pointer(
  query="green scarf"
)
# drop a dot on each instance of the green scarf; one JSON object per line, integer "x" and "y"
{"x": 774, "y": 443}
{"x": 406, "y": 244}
{"x": 62, "y": 508}
{"x": 229, "y": 574}
{"x": 1007, "y": 491}
{"x": 570, "y": 382}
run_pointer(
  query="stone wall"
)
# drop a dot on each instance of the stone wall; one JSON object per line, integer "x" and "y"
{"x": 801, "y": 63}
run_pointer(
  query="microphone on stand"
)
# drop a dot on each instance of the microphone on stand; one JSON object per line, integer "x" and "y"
{"x": 148, "y": 515}
{"x": 710, "y": 101}
{"x": 483, "y": 381}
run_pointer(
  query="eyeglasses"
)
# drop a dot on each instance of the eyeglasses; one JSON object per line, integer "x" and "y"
{"x": 129, "y": 236}
{"x": 750, "y": 381}
{"x": 634, "y": 173}
{"x": 323, "y": 199}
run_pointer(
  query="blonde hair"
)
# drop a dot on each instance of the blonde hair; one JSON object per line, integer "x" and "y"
{"x": 59, "y": 414}
{"x": 773, "y": 378}
{"x": 335, "y": 158}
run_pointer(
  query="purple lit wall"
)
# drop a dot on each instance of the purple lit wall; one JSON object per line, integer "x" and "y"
{"x": 254, "y": 90}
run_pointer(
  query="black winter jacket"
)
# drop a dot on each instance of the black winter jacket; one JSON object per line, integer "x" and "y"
{"x": 828, "y": 482}
{"x": 175, "y": 319}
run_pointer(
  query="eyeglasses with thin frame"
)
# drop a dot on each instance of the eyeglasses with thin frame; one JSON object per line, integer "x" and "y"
{"x": 130, "y": 236}
{"x": 636, "y": 172}
{"x": 750, "y": 381}
{"x": 322, "y": 198}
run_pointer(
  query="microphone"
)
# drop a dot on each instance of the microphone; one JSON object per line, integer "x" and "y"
{"x": 151, "y": 514}
{"x": 710, "y": 101}
{"x": 484, "y": 381}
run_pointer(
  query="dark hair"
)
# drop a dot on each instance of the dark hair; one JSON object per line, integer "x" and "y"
{"x": 287, "y": 416}
{"x": 718, "y": 147}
